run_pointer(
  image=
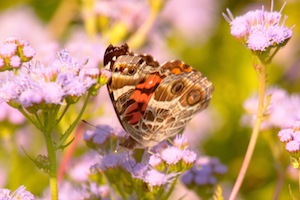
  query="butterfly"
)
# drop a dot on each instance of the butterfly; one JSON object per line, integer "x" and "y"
{"x": 153, "y": 102}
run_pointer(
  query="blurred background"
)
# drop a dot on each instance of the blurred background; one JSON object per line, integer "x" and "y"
{"x": 193, "y": 31}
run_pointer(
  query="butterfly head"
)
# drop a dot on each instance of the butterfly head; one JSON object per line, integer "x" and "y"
{"x": 112, "y": 53}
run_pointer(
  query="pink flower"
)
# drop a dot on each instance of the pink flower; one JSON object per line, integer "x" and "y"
{"x": 156, "y": 178}
{"x": 171, "y": 155}
{"x": 291, "y": 138}
{"x": 293, "y": 146}
{"x": 20, "y": 193}
{"x": 285, "y": 135}
{"x": 259, "y": 29}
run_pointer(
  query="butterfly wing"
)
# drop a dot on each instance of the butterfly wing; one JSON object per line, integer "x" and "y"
{"x": 180, "y": 94}
{"x": 153, "y": 102}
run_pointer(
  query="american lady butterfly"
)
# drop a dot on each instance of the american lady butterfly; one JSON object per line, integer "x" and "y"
{"x": 153, "y": 102}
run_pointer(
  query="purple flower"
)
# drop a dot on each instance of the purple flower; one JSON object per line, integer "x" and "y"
{"x": 111, "y": 160}
{"x": 139, "y": 170}
{"x": 156, "y": 178}
{"x": 285, "y": 135}
{"x": 12, "y": 53}
{"x": 187, "y": 178}
{"x": 117, "y": 159}
{"x": 155, "y": 160}
{"x": 8, "y": 50}
{"x": 180, "y": 141}
{"x": 105, "y": 76}
{"x": 15, "y": 61}
{"x": 204, "y": 172}
{"x": 258, "y": 40}
{"x": 36, "y": 85}
{"x": 28, "y": 52}
{"x": 188, "y": 156}
{"x": 282, "y": 111}
{"x": 293, "y": 146}
{"x": 171, "y": 155}
{"x": 20, "y": 193}
{"x": 239, "y": 28}
{"x": 291, "y": 138}
{"x": 259, "y": 30}
{"x": 104, "y": 138}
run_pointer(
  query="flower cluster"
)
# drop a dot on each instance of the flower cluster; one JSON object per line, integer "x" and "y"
{"x": 44, "y": 93}
{"x": 104, "y": 138}
{"x": 14, "y": 52}
{"x": 204, "y": 172}
{"x": 20, "y": 193}
{"x": 174, "y": 158}
{"x": 291, "y": 138}
{"x": 153, "y": 174}
{"x": 282, "y": 116}
{"x": 37, "y": 87}
{"x": 105, "y": 76}
{"x": 203, "y": 175}
{"x": 259, "y": 30}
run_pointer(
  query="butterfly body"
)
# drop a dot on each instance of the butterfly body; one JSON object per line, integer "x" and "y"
{"x": 153, "y": 101}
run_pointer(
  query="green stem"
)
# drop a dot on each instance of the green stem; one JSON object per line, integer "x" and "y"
{"x": 65, "y": 136}
{"x": 170, "y": 190}
{"x": 273, "y": 54}
{"x": 37, "y": 124}
{"x": 259, "y": 118}
{"x": 52, "y": 167}
{"x": 40, "y": 124}
{"x": 63, "y": 113}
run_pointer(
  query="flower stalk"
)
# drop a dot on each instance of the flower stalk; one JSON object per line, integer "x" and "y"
{"x": 261, "y": 68}
{"x": 52, "y": 168}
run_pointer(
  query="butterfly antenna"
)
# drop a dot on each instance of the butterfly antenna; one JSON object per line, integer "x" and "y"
{"x": 96, "y": 127}
{"x": 88, "y": 123}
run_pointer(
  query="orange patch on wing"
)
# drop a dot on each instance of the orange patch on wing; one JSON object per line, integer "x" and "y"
{"x": 151, "y": 81}
{"x": 135, "y": 117}
{"x": 136, "y": 95}
{"x": 176, "y": 70}
{"x": 140, "y": 86}
{"x": 131, "y": 108}
{"x": 139, "y": 98}
{"x": 145, "y": 100}
{"x": 133, "y": 112}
